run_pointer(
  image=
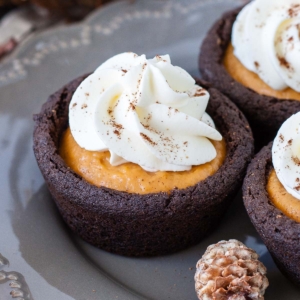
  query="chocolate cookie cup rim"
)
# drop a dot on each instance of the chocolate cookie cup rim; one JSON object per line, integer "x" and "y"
{"x": 53, "y": 120}
{"x": 213, "y": 48}
{"x": 266, "y": 217}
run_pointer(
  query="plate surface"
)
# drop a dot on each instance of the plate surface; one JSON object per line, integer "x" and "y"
{"x": 54, "y": 262}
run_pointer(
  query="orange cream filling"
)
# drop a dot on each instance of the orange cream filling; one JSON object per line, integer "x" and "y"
{"x": 251, "y": 80}
{"x": 284, "y": 201}
{"x": 95, "y": 168}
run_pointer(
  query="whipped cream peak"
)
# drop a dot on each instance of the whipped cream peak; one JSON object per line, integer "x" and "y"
{"x": 286, "y": 155}
{"x": 266, "y": 39}
{"x": 148, "y": 112}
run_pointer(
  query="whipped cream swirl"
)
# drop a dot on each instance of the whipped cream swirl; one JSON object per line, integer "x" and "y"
{"x": 266, "y": 39}
{"x": 286, "y": 155}
{"x": 147, "y": 112}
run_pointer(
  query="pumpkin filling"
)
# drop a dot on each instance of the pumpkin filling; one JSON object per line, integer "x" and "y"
{"x": 281, "y": 199}
{"x": 96, "y": 169}
{"x": 251, "y": 80}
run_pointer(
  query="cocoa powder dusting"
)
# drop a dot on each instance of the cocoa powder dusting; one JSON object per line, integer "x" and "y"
{"x": 296, "y": 161}
{"x": 116, "y": 125}
{"x": 132, "y": 106}
{"x": 117, "y": 128}
{"x": 83, "y": 106}
{"x": 281, "y": 138}
{"x": 294, "y": 10}
{"x": 146, "y": 138}
{"x": 145, "y": 126}
{"x": 283, "y": 62}
{"x": 200, "y": 92}
{"x": 298, "y": 27}
{"x": 117, "y": 132}
{"x": 148, "y": 127}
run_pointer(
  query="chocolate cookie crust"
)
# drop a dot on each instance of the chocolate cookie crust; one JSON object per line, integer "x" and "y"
{"x": 265, "y": 114}
{"x": 135, "y": 224}
{"x": 280, "y": 233}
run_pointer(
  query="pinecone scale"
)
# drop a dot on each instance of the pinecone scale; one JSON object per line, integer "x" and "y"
{"x": 229, "y": 270}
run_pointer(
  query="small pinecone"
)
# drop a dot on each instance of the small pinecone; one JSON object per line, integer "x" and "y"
{"x": 230, "y": 271}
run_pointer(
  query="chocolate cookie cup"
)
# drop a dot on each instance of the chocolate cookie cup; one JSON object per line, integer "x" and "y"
{"x": 134, "y": 224}
{"x": 280, "y": 233}
{"x": 264, "y": 113}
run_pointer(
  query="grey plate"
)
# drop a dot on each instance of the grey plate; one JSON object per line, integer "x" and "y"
{"x": 56, "y": 264}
